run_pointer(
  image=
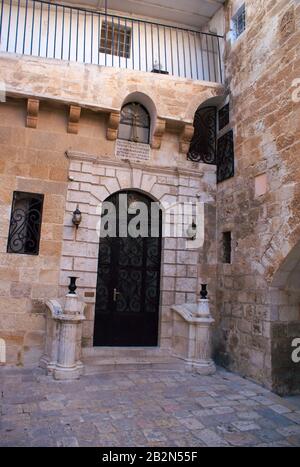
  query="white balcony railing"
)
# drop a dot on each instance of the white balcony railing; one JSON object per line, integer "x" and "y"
{"x": 43, "y": 29}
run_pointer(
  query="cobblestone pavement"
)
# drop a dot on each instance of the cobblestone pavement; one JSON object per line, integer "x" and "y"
{"x": 143, "y": 408}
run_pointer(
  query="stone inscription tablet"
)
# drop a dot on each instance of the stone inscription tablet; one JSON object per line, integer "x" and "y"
{"x": 132, "y": 151}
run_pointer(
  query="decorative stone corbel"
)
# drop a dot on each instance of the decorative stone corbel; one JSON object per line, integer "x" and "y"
{"x": 113, "y": 126}
{"x": 185, "y": 138}
{"x": 74, "y": 116}
{"x": 32, "y": 112}
{"x": 158, "y": 133}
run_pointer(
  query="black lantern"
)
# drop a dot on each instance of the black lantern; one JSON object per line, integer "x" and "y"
{"x": 192, "y": 231}
{"x": 77, "y": 217}
{"x": 203, "y": 292}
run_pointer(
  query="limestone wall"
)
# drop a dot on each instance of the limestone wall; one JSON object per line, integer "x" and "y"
{"x": 102, "y": 88}
{"x": 34, "y": 160}
{"x": 260, "y": 205}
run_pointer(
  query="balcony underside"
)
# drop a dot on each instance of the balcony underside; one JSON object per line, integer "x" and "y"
{"x": 102, "y": 89}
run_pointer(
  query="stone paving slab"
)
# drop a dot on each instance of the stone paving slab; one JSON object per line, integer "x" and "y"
{"x": 143, "y": 408}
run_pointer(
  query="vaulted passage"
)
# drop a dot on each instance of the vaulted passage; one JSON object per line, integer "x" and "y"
{"x": 128, "y": 283}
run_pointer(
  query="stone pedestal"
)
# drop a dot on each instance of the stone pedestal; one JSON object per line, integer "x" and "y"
{"x": 63, "y": 335}
{"x": 191, "y": 339}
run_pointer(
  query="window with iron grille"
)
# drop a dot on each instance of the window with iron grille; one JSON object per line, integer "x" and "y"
{"x": 223, "y": 117}
{"x": 203, "y": 144}
{"x": 225, "y": 157}
{"x": 227, "y": 247}
{"x": 25, "y": 223}
{"x": 115, "y": 39}
{"x": 239, "y": 22}
{"x": 134, "y": 123}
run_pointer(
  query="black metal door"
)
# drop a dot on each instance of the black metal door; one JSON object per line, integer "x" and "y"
{"x": 128, "y": 284}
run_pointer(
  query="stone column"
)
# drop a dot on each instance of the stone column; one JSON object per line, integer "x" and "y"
{"x": 203, "y": 348}
{"x": 67, "y": 367}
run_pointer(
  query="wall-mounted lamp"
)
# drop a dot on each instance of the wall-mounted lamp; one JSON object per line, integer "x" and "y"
{"x": 203, "y": 292}
{"x": 77, "y": 217}
{"x": 192, "y": 231}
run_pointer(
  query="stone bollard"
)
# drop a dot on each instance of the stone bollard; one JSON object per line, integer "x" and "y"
{"x": 204, "y": 364}
{"x": 192, "y": 334}
{"x": 63, "y": 322}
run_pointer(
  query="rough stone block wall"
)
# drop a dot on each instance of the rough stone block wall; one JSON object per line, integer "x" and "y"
{"x": 260, "y": 205}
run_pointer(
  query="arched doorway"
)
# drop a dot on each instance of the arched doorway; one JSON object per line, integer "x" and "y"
{"x": 128, "y": 281}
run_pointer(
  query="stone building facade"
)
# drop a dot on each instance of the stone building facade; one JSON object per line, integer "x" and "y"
{"x": 58, "y": 135}
{"x": 258, "y": 299}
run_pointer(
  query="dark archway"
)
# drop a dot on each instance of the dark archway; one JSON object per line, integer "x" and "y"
{"x": 128, "y": 282}
{"x": 285, "y": 325}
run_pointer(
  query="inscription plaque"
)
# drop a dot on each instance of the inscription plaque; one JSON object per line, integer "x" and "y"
{"x": 132, "y": 151}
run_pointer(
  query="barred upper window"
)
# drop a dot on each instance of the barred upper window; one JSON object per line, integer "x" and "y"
{"x": 115, "y": 39}
{"x": 226, "y": 247}
{"x": 225, "y": 157}
{"x": 135, "y": 123}
{"x": 223, "y": 117}
{"x": 25, "y": 223}
{"x": 239, "y": 22}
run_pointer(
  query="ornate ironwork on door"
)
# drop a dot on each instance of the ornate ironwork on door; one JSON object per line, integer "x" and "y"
{"x": 25, "y": 223}
{"x": 203, "y": 144}
{"x": 225, "y": 158}
{"x": 128, "y": 284}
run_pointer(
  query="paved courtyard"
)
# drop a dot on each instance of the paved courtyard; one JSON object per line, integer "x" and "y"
{"x": 143, "y": 408}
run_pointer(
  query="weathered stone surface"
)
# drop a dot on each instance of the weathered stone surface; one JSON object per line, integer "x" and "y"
{"x": 260, "y": 205}
{"x": 141, "y": 408}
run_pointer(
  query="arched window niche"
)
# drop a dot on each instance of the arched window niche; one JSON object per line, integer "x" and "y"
{"x": 138, "y": 118}
{"x": 203, "y": 146}
{"x": 213, "y": 140}
{"x": 135, "y": 123}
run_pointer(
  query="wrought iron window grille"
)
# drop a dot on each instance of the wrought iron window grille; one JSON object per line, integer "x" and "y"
{"x": 203, "y": 144}
{"x": 238, "y": 22}
{"x": 25, "y": 223}
{"x": 225, "y": 157}
{"x": 223, "y": 117}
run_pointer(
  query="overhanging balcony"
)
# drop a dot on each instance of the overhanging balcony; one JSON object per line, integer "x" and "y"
{"x": 49, "y": 30}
